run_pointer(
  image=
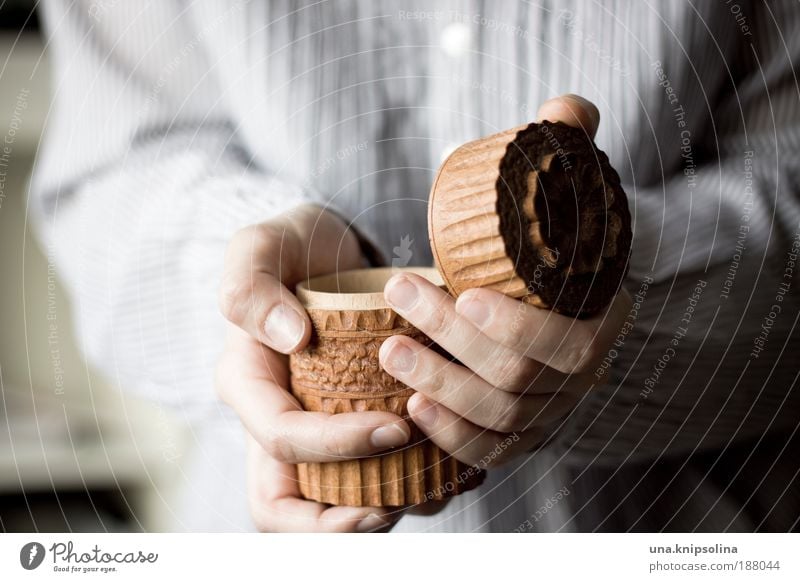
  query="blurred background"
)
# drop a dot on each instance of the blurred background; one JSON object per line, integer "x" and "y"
{"x": 75, "y": 453}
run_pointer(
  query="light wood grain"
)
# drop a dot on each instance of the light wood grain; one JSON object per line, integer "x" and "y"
{"x": 535, "y": 212}
{"x": 463, "y": 225}
{"x": 340, "y": 372}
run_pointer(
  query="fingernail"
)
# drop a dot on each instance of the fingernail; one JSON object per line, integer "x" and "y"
{"x": 390, "y": 435}
{"x": 425, "y": 412}
{"x": 402, "y": 293}
{"x": 474, "y": 310}
{"x": 370, "y": 523}
{"x": 284, "y": 327}
{"x": 400, "y": 358}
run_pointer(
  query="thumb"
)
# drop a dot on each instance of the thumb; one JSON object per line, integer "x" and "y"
{"x": 264, "y": 262}
{"x": 259, "y": 260}
{"x": 572, "y": 110}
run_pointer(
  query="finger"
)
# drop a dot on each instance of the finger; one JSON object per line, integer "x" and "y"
{"x": 432, "y": 311}
{"x": 466, "y": 394}
{"x": 277, "y": 506}
{"x": 263, "y": 263}
{"x": 573, "y": 110}
{"x": 250, "y": 380}
{"x": 464, "y": 440}
{"x": 569, "y": 345}
{"x": 252, "y": 294}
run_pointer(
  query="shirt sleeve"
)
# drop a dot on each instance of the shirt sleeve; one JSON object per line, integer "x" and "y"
{"x": 705, "y": 357}
{"x": 141, "y": 183}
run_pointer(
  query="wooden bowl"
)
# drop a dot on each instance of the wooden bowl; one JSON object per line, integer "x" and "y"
{"x": 340, "y": 372}
{"x": 535, "y": 212}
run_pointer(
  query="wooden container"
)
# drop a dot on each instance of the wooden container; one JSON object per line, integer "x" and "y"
{"x": 340, "y": 372}
{"x": 535, "y": 212}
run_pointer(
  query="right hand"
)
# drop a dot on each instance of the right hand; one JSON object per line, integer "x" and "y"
{"x": 262, "y": 264}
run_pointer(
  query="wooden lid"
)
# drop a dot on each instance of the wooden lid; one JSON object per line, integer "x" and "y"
{"x": 535, "y": 212}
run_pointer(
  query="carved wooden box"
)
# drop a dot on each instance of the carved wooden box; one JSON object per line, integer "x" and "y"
{"x": 535, "y": 212}
{"x": 340, "y": 372}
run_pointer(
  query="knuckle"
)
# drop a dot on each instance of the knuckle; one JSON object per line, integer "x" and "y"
{"x": 237, "y": 290}
{"x": 235, "y": 296}
{"x": 591, "y": 356}
{"x": 278, "y": 447}
{"x": 625, "y": 303}
{"x": 437, "y": 322}
{"x": 516, "y": 339}
{"x": 505, "y": 423}
{"x": 580, "y": 353}
{"x": 259, "y": 505}
{"x": 334, "y": 442}
{"x": 261, "y": 517}
{"x": 508, "y": 417}
{"x": 587, "y": 355}
{"x": 239, "y": 240}
{"x": 433, "y": 379}
{"x": 255, "y": 237}
{"x": 262, "y": 525}
{"x": 512, "y": 371}
{"x": 270, "y": 238}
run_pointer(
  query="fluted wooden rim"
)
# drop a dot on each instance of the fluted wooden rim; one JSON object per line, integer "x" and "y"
{"x": 355, "y": 290}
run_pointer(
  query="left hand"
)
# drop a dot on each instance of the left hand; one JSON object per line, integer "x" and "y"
{"x": 523, "y": 368}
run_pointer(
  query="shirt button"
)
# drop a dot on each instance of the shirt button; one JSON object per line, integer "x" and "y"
{"x": 456, "y": 39}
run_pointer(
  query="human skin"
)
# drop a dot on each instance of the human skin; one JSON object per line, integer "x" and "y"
{"x": 520, "y": 370}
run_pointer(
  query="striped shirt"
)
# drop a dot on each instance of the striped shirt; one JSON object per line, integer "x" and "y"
{"x": 175, "y": 123}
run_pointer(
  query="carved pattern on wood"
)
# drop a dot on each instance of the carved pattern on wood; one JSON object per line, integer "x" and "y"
{"x": 534, "y": 212}
{"x": 416, "y": 473}
{"x": 343, "y": 354}
{"x": 340, "y": 372}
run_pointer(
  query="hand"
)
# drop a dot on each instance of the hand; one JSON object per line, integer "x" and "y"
{"x": 262, "y": 264}
{"x": 523, "y": 368}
